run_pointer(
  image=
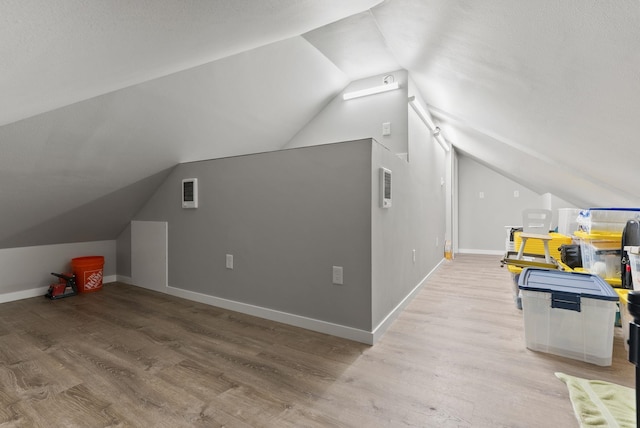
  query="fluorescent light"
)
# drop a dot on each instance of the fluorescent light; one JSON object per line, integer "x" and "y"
{"x": 371, "y": 91}
{"x": 422, "y": 113}
{"x": 426, "y": 118}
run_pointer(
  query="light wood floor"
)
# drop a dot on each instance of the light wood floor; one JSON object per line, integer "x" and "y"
{"x": 126, "y": 356}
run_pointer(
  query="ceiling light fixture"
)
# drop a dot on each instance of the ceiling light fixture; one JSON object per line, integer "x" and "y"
{"x": 443, "y": 143}
{"x": 426, "y": 119}
{"x": 371, "y": 91}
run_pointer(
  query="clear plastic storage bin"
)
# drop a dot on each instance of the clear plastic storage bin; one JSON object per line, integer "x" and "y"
{"x": 568, "y": 314}
{"x": 601, "y": 254}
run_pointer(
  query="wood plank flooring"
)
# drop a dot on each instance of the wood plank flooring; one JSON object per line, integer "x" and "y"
{"x": 130, "y": 357}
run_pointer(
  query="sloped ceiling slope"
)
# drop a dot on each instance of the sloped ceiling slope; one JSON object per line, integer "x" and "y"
{"x": 58, "y": 52}
{"x": 547, "y": 92}
{"x": 58, "y": 165}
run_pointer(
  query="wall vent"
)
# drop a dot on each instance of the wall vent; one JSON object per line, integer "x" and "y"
{"x": 190, "y": 193}
{"x": 385, "y": 188}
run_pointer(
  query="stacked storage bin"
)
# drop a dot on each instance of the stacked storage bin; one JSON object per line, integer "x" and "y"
{"x": 601, "y": 253}
{"x": 606, "y": 220}
{"x": 568, "y": 220}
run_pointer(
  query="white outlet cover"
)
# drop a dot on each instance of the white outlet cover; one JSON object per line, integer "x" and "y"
{"x": 338, "y": 276}
{"x": 229, "y": 261}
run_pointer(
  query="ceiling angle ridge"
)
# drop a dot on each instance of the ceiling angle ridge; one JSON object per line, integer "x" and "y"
{"x": 448, "y": 117}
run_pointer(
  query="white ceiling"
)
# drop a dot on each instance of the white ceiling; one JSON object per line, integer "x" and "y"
{"x": 58, "y": 52}
{"x": 98, "y": 96}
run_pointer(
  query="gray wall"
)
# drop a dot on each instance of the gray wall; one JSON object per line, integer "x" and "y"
{"x": 417, "y": 217}
{"x": 287, "y": 217}
{"x": 26, "y": 270}
{"x": 102, "y": 219}
{"x": 482, "y": 221}
{"x": 416, "y": 220}
{"x": 123, "y": 253}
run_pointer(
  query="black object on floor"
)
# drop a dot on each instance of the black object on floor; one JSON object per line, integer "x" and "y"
{"x": 633, "y": 305}
{"x": 630, "y": 237}
{"x": 61, "y": 289}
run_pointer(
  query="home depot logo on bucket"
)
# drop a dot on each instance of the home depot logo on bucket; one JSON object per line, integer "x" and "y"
{"x": 92, "y": 279}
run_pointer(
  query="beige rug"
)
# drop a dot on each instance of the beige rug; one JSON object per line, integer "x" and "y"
{"x": 597, "y": 403}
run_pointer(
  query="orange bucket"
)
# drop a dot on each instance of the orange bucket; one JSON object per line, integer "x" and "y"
{"x": 88, "y": 272}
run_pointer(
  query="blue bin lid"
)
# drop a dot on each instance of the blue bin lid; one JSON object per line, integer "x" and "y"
{"x": 553, "y": 280}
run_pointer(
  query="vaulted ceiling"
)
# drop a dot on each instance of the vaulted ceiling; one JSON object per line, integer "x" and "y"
{"x": 100, "y": 99}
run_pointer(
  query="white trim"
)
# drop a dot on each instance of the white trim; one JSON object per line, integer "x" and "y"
{"x": 486, "y": 252}
{"x": 39, "y": 291}
{"x": 274, "y": 315}
{"x": 391, "y": 317}
{"x": 124, "y": 279}
{"x": 109, "y": 278}
{"x": 24, "y": 294}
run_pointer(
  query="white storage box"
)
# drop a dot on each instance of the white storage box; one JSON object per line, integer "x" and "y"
{"x": 568, "y": 314}
{"x": 606, "y": 220}
{"x": 568, "y": 220}
{"x": 634, "y": 263}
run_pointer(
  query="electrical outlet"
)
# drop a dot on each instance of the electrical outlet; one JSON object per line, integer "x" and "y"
{"x": 516, "y": 194}
{"x": 229, "y": 261}
{"x": 413, "y": 255}
{"x": 386, "y": 128}
{"x": 338, "y": 276}
{"x": 481, "y": 195}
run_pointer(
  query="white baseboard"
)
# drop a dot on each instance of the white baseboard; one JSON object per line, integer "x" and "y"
{"x": 278, "y": 316}
{"x": 391, "y": 317}
{"x": 39, "y": 291}
{"x": 484, "y": 252}
{"x": 124, "y": 279}
{"x": 350, "y": 333}
{"x": 24, "y": 294}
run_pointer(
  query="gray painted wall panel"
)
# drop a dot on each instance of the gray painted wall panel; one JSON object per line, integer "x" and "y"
{"x": 415, "y": 220}
{"x": 287, "y": 217}
{"x": 482, "y": 221}
{"x": 123, "y": 252}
